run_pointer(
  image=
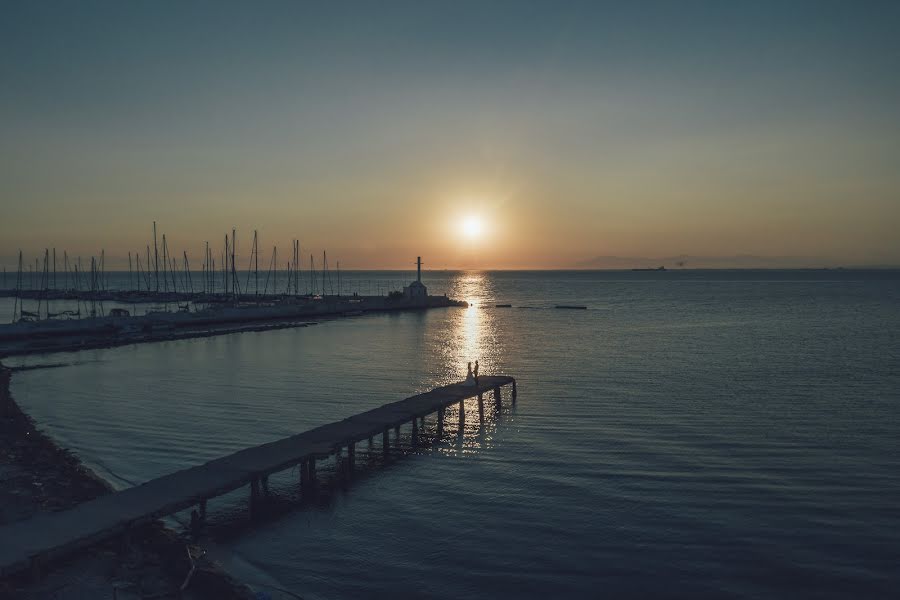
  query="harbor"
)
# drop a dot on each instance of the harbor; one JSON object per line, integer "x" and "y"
{"x": 98, "y": 317}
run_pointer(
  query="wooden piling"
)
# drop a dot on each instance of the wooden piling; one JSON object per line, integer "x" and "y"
{"x": 462, "y": 416}
{"x": 480, "y": 409}
{"x": 254, "y": 496}
{"x": 415, "y": 432}
{"x": 386, "y": 443}
{"x": 514, "y": 391}
{"x": 351, "y": 457}
{"x": 440, "y": 423}
{"x": 497, "y": 398}
{"x": 36, "y": 568}
{"x": 125, "y": 540}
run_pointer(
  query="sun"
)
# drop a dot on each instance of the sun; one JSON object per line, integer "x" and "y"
{"x": 471, "y": 226}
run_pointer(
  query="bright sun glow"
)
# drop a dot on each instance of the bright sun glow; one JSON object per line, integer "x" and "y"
{"x": 472, "y": 226}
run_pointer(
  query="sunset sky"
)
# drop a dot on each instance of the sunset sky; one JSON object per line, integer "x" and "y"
{"x": 476, "y": 134}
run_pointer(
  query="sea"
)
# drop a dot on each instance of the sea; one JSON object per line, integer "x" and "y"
{"x": 689, "y": 434}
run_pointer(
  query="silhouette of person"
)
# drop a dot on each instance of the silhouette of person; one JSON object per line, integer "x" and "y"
{"x": 475, "y": 372}
{"x": 470, "y": 379}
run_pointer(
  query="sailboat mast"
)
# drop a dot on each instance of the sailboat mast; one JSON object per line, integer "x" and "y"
{"x": 165, "y": 264}
{"x": 17, "y": 303}
{"x": 225, "y": 266}
{"x": 233, "y": 272}
{"x": 207, "y": 270}
{"x": 296, "y": 267}
{"x": 101, "y": 273}
{"x": 155, "y": 258}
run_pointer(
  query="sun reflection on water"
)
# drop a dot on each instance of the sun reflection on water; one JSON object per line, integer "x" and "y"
{"x": 473, "y": 329}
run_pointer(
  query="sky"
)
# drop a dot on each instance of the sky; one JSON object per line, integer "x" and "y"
{"x": 573, "y": 134}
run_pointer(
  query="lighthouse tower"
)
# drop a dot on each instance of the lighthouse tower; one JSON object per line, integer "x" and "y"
{"x": 416, "y": 292}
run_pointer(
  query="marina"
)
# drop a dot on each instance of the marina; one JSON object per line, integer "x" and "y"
{"x": 90, "y": 325}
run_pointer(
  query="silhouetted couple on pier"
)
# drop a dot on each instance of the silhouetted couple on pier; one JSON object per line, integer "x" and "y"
{"x": 472, "y": 377}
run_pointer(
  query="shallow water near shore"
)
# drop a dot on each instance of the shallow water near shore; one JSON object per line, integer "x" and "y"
{"x": 689, "y": 434}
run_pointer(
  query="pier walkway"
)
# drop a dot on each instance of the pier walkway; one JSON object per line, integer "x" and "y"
{"x": 30, "y": 543}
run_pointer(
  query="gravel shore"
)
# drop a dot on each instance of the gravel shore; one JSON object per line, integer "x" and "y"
{"x": 38, "y": 476}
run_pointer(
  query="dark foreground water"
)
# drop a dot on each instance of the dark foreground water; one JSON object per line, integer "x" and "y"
{"x": 691, "y": 434}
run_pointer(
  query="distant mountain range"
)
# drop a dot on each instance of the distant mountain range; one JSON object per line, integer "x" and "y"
{"x": 739, "y": 261}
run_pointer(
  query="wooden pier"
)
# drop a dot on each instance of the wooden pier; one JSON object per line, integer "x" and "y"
{"x": 28, "y": 544}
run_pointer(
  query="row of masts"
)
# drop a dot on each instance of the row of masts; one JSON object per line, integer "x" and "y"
{"x": 161, "y": 271}
{"x": 92, "y": 283}
{"x": 160, "y": 275}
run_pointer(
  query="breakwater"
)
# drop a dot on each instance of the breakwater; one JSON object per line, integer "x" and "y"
{"x": 54, "y": 335}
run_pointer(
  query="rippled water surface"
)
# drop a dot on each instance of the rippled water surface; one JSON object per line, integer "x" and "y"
{"x": 689, "y": 434}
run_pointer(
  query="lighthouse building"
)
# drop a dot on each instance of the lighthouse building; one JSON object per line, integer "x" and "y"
{"x": 416, "y": 292}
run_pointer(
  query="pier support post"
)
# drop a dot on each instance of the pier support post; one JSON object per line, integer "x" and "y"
{"x": 264, "y": 480}
{"x": 338, "y": 460}
{"x": 351, "y": 456}
{"x": 125, "y": 540}
{"x": 440, "y": 423}
{"x": 514, "y": 392}
{"x": 462, "y": 416}
{"x": 304, "y": 474}
{"x": 480, "y": 409}
{"x": 5, "y": 399}
{"x": 370, "y": 442}
{"x": 36, "y": 568}
{"x": 397, "y": 434}
{"x": 415, "y": 432}
{"x": 254, "y": 496}
{"x": 311, "y": 471}
{"x": 203, "y": 509}
{"x": 497, "y": 398}
{"x": 386, "y": 443}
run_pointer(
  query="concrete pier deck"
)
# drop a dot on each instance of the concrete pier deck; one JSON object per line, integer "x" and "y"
{"x": 28, "y": 544}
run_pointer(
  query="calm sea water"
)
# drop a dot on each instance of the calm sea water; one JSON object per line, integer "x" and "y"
{"x": 691, "y": 434}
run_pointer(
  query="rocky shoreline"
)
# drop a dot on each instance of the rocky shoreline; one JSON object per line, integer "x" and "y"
{"x": 36, "y": 475}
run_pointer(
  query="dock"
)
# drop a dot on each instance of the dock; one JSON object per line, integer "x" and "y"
{"x": 34, "y": 542}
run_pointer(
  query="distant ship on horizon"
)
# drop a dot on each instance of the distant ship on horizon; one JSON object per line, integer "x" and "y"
{"x": 659, "y": 268}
